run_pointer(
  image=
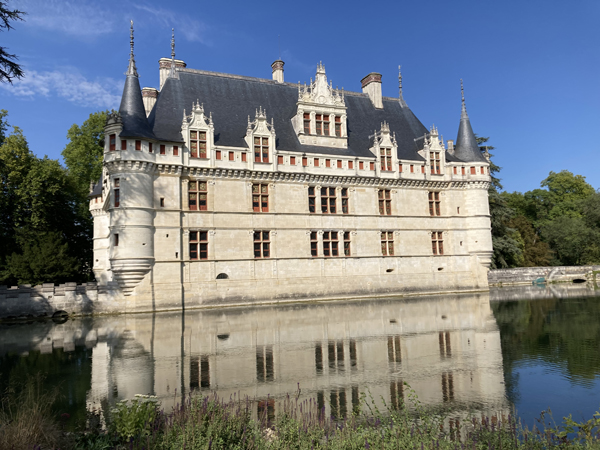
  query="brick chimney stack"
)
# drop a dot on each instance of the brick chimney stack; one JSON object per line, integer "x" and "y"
{"x": 371, "y": 85}
{"x": 277, "y": 67}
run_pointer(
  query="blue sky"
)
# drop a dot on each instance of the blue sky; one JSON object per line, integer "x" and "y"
{"x": 530, "y": 68}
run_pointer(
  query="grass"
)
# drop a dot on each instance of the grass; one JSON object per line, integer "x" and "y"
{"x": 210, "y": 422}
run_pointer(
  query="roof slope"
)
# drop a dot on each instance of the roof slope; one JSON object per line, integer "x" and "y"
{"x": 232, "y": 99}
{"x": 467, "y": 149}
{"x": 133, "y": 114}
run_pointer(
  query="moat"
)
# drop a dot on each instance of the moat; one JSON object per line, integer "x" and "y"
{"x": 527, "y": 348}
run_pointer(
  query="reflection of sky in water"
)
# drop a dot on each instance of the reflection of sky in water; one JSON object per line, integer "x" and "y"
{"x": 542, "y": 385}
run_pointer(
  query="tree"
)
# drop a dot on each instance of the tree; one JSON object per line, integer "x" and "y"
{"x": 507, "y": 244}
{"x": 84, "y": 153}
{"x": 42, "y": 236}
{"x": 9, "y": 69}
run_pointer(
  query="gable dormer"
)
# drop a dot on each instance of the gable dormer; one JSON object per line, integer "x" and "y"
{"x": 260, "y": 138}
{"x": 385, "y": 148}
{"x": 198, "y": 132}
{"x": 434, "y": 152}
{"x": 321, "y": 116}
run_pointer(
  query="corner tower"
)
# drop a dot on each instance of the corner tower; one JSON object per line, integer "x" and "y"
{"x": 128, "y": 177}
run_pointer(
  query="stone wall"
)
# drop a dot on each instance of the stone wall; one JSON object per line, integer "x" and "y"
{"x": 527, "y": 275}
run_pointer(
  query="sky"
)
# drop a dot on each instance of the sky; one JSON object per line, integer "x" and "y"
{"x": 530, "y": 68}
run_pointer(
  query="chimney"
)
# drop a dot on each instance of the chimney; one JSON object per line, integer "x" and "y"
{"x": 450, "y": 146}
{"x": 164, "y": 65}
{"x": 149, "y": 96}
{"x": 371, "y": 85}
{"x": 277, "y": 67}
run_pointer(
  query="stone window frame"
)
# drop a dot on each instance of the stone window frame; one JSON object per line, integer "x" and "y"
{"x": 199, "y": 192}
{"x": 261, "y": 193}
{"x": 197, "y": 138}
{"x": 434, "y": 203}
{"x": 198, "y": 245}
{"x": 262, "y": 244}
{"x": 384, "y": 200}
{"x": 387, "y": 243}
{"x": 437, "y": 243}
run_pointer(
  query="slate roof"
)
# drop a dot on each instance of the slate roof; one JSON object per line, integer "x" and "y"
{"x": 467, "y": 148}
{"x": 231, "y": 99}
{"x": 97, "y": 191}
{"x": 132, "y": 110}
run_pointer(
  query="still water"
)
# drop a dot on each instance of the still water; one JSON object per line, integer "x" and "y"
{"x": 527, "y": 348}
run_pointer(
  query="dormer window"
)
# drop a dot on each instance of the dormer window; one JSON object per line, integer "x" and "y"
{"x": 306, "y": 123}
{"x": 197, "y": 144}
{"x": 338, "y": 126}
{"x": 434, "y": 160}
{"x": 386, "y": 158}
{"x": 261, "y": 149}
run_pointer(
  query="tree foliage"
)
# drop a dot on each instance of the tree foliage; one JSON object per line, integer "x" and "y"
{"x": 43, "y": 235}
{"x": 9, "y": 69}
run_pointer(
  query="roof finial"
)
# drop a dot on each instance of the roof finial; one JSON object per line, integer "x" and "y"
{"x": 131, "y": 70}
{"x": 462, "y": 92}
{"x": 400, "y": 80}
{"x": 172, "y": 43}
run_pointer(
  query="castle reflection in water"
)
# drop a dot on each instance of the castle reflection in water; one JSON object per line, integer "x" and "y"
{"x": 446, "y": 348}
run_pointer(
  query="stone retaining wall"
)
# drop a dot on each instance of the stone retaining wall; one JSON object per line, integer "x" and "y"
{"x": 527, "y": 275}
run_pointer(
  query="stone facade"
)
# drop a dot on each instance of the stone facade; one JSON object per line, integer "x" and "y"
{"x": 300, "y": 201}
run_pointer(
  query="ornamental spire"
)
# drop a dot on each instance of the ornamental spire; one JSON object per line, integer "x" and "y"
{"x": 172, "y": 74}
{"x": 462, "y": 95}
{"x": 400, "y": 81}
{"x": 466, "y": 148}
{"x": 131, "y": 70}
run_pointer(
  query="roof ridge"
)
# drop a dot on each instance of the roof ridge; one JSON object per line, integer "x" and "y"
{"x": 260, "y": 80}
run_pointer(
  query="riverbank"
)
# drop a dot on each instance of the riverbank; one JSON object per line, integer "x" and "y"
{"x": 208, "y": 422}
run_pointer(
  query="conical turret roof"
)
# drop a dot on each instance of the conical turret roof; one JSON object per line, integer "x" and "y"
{"x": 466, "y": 148}
{"x": 133, "y": 114}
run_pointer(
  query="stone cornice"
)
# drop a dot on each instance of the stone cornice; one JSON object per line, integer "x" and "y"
{"x": 178, "y": 170}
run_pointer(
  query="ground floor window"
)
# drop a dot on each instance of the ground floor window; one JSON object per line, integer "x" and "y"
{"x": 199, "y": 244}
{"x": 262, "y": 244}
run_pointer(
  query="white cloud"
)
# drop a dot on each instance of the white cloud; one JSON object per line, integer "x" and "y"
{"x": 69, "y": 85}
{"x": 192, "y": 29}
{"x": 76, "y": 18}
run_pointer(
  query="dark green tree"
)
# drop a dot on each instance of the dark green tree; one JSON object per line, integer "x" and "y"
{"x": 43, "y": 239}
{"x": 84, "y": 152}
{"x": 9, "y": 69}
{"x": 506, "y": 241}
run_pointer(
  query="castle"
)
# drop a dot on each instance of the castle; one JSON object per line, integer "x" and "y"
{"x": 221, "y": 189}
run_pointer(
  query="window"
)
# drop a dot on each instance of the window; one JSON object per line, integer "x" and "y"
{"x": 163, "y": 149}
{"x": 350, "y": 164}
{"x": 372, "y": 165}
{"x": 316, "y": 162}
{"x": 116, "y": 240}
{"x": 462, "y": 170}
{"x": 472, "y": 170}
{"x": 482, "y": 171}
{"x": 385, "y": 202}
{"x": 312, "y": 199}
{"x": 231, "y": 156}
{"x": 338, "y": 126}
{"x": 123, "y": 144}
{"x": 197, "y": 194}
{"x": 112, "y": 142}
{"x": 261, "y": 149}
{"x": 330, "y": 243}
{"x": 306, "y": 123}
{"x": 319, "y": 123}
{"x": 400, "y": 167}
{"x": 434, "y": 203}
{"x": 260, "y": 197}
{"x": 292, "y": 160}
{"x": 325, "y": 125}
{"x": 198, "y": 244}
{"x": 149, "y": 147}
{"x": 261, "y": 244}
{"x": 138, "y": 145}
{"x": 117, "y": 196}
{"x": 313, "y": 244}
{"x": 339, "y": 163}
{"x": 244, "y": 157}
{"x": 437, "y": 242}
{"x": 344, "y": 200}
{"x": 218, "y": 154}
{"x": 434, "y": 162}
{"x": 412, "y": 168}
{"x": 175, "y": 150}
{"x": 304, "y": 162}
{"x": 162, "y": 202}
{"x": 198, "y": 144}
{"x": 327, "y": 163}
{"x": 328, "y": 200}
{"x": 346, "y": 243}
{"x": 455, "y": 171}
{"x": 386, "y": 158}
{"x": 387, "y": 243}
{"x": 279, "y": 159}
{"x": 361, "y": 165}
